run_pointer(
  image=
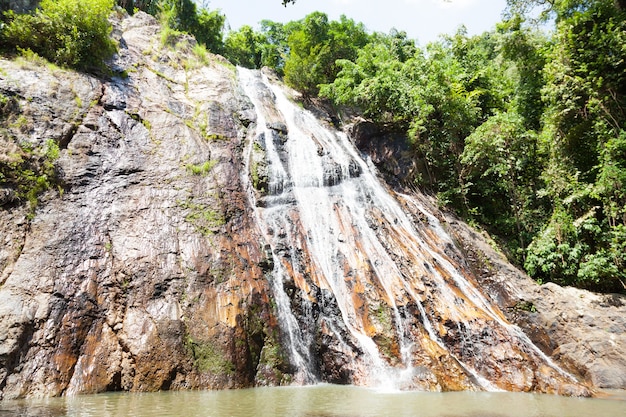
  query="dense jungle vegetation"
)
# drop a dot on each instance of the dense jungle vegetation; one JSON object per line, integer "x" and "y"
{"x": 519, "y": 130}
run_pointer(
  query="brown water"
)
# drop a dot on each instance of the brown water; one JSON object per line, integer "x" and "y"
{"x": 317, "y": 401}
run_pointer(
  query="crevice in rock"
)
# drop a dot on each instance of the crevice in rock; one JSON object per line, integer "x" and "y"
{"x": 167, "y": 382}
{"x": 116, "y": 382}
{"x": 13, "y": 359}
{"x": 67, "y": 137}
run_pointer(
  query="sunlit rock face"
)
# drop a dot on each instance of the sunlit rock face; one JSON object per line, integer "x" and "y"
{"x": 141, "y": 268}
{"x": 205, "y": 232}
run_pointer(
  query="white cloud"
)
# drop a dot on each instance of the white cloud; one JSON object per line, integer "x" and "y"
{"x": 455, "y": 4}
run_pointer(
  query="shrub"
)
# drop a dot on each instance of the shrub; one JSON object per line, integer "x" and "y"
{"x": 70, "y": 33}
{"x": 183, "y": 16}
{"x": 28, "y": 170}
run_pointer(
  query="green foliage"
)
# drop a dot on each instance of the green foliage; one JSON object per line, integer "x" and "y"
{"x": 272, "y": 359}
{"x": 579, "y": 253}
{"x": 28, "y": 170}
{"x": 184, "y": 16}
{"x": 378, "y": 83}
{"x": 555, "y": 254}
{"x": 201, "y": 53}
{"x": 585, "y": 139}
{"x": 208, "y": 357}
{"x": 275, "y": 50}
{"x": 526, "y": 306}
{"x": 501, "y": 167}
{"x": 8, "y": 106}
{"x": 169, "y": 35}
{"x": 610, "y": 186}
{"x": 586, "y": 80}
{"x": 204, "y": 218}
{"x": 315, "y": 45}
{"x": 524, "y": 49}
{"x": 202, "y": 169}
{"x": 70, "y": 33}
{"x": 208, "y": 30}
{"x": 245, "y": 47}
{"x": 250, "y": 49}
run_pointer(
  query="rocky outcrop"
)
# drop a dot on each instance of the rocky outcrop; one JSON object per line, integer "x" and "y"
{"x": 149, "y": 240}
{"x": 583, "y": 331}
{"x": 390, "y": 151}
{"x": 138, "y": 268}
{"x": 19, "y": 6}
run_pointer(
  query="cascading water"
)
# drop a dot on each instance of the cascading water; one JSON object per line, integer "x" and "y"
{"x": 364, "y": 289}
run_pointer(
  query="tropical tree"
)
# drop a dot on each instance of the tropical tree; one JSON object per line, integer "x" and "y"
{"x": 315, "y": 45}
{"x": 245, "y": 47}
{"x": 207, "y": 26}
{"x": 501, "y": 172}
{"x": 584, "y": 122}
{"x": 70, "y": 33}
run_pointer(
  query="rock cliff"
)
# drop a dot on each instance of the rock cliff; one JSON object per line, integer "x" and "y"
{"x": 133, "y": 260}
{"x": 139, "y": 267}
{"x": 583, "y": 331}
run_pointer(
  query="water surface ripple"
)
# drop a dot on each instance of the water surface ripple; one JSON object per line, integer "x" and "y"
{"x": 317, "y": 401}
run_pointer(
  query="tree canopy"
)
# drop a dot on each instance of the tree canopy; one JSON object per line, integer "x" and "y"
{"x": 518, "y": 130}
{"x": 70, "y": 33}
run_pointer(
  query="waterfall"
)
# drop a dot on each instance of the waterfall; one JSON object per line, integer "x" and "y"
{"x": 363, "y": 285}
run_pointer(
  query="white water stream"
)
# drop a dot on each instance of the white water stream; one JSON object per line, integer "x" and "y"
{"x": 330, "y": 221}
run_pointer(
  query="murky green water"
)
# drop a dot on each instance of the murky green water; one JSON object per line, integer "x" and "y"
{"x": 316, "y": 401}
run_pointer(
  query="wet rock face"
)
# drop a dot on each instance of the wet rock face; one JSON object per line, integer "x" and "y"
{"x": 584, "y": 332}
{"x": 137, "y": 268}
{"x": 389, "y": 151}
{"x": 369, "y": 278}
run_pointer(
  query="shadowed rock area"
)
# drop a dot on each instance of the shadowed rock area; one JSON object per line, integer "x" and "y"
{"x": 154, "y": 257}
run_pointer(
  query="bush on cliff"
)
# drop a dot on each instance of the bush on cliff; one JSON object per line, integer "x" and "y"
{"x": 184, "y": 16}
{"x": 70, "y": 33}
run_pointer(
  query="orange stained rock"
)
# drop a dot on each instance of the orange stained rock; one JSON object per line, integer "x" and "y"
{"x": 465, "y": 308}
{"x": 298, "y": 278}
{"x": 368, "y": 327}
{"x": 220, "y": 306}
{"x": 64, "y": 363}
{"x": 91, "y": 374}
{"x": 431, "y": 348}
{"x": 228, "y": 305}
{"x": 361, "y": 310}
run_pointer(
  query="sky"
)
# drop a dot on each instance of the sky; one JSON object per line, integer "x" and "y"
{"x": 422, "y": 20}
